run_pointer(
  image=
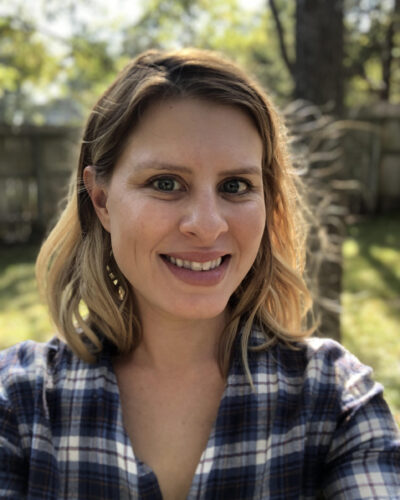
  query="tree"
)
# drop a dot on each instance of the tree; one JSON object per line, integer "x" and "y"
{"x": 44, "y": 73}
{"x": 343, "y": 50}
{"x": 372, "y": 59}
{"x": 25, "y": 63}
{"x": 318, "y": 71}
{"x": 317, "y": 67}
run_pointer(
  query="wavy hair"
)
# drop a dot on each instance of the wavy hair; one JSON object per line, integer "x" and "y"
{"x": 76, "y": 270}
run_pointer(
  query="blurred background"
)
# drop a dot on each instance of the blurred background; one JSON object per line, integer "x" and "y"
{"x": 332, "y": 67}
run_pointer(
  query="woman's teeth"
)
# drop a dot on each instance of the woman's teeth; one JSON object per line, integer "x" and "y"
{"x": 195, "y": 266}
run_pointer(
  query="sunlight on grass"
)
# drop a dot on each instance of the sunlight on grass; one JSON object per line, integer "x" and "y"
{"x": 21, "y": 314}
{"x": 371, "y": 301}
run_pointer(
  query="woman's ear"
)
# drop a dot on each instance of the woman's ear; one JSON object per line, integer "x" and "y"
{"x": 98, "y": 194}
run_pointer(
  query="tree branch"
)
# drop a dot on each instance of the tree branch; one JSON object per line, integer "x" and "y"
{"x": 281, "y": 37}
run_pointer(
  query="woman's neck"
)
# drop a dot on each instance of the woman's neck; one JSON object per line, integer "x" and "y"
{"x": 170, "y": 344}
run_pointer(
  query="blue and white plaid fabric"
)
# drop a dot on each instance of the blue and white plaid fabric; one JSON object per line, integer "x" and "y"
{"x": 316, "y": 422}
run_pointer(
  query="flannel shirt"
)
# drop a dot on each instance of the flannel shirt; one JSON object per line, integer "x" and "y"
{"x": 315, "y": 422}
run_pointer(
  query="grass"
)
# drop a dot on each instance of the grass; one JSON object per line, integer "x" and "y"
{"x": 371, "y": 300}
{"x": 22, "y": 316}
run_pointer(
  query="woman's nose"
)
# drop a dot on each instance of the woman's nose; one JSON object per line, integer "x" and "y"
{"x": 204, "y": 218}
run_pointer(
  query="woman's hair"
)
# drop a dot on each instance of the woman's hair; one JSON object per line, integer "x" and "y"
{"x": 90, "y": 301}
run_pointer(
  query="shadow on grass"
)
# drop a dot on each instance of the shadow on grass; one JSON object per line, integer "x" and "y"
{"x": 17, "y": 280}
{"x": 372, "y": 289}
{"x": 18, "y": 254}
{"x": 382, "y": 233}
{"x": 12, "y": 288}
{"x": 22, "y": 316}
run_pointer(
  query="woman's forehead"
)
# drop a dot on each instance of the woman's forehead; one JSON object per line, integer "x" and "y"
{"x": 177, "y": 125}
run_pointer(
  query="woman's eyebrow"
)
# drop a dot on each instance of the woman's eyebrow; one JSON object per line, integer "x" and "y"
{"x": 162, "y": 166}
{"x": 242, "y": 170}
{"x": 157, "y": 165}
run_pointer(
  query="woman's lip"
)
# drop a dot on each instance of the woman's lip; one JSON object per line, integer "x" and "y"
{"x": 196, "y": 256}
{"x": 199, "y": 278}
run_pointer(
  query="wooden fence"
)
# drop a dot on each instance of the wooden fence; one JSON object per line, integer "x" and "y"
{"x": 35, "y": 168}
{"x": 372, "y": 157}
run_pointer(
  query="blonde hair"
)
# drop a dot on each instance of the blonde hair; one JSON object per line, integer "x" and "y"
{"x": 75, "y": 265}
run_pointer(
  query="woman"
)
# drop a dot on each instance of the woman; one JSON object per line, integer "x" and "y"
{"x": 174, "y": 277}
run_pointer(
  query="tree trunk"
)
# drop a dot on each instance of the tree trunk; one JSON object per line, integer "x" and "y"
{"x": 387, "y": 55}
{"x": 318, "y": 69}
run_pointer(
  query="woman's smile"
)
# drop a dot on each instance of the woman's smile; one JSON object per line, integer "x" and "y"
{"x": 206, "y": 273}
{"x": 194, "y": 265}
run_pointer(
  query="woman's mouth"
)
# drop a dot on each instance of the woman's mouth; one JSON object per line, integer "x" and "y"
{"x": 194, "y": 272}
{"x": 193, "y": 265}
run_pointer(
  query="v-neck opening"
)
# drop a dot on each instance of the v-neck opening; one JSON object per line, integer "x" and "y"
{"x": 207, "y": 457}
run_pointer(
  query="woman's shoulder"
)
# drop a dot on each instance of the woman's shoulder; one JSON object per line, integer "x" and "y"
{"x": 24, "y": 375}
{"x": 30, "y": 368}
{"x": 29, "y": 358}
{"x": 326, "y": 359}
{"x": 42, "y": 380}
{"x": 320, "y": 356}
{"x": 319, "y": 365}
{"x": 322, "y": 380}
{"x": 28, "y": 364}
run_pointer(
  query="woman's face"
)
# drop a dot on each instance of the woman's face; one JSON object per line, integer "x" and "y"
{"x": 185, "y": 207}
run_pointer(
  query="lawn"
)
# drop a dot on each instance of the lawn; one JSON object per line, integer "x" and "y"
{"x": 22, "y": 316}
{"x": 370, "y": 299}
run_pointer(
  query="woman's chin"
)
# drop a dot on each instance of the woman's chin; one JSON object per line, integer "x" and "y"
{"x": 199, "y": 310}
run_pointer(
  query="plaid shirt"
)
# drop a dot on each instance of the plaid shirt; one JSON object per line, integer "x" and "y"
{"x": 315, "y": 422}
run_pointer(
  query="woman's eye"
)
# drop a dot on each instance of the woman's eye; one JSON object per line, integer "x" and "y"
{"x": 235, "y": 186}
{"x": 166, "y": 184}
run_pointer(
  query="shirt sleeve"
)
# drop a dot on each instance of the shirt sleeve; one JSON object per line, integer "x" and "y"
{"x": 363, "y": 461}
{"x": 14, "y": 399}
{"x": 12, "y": 464}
